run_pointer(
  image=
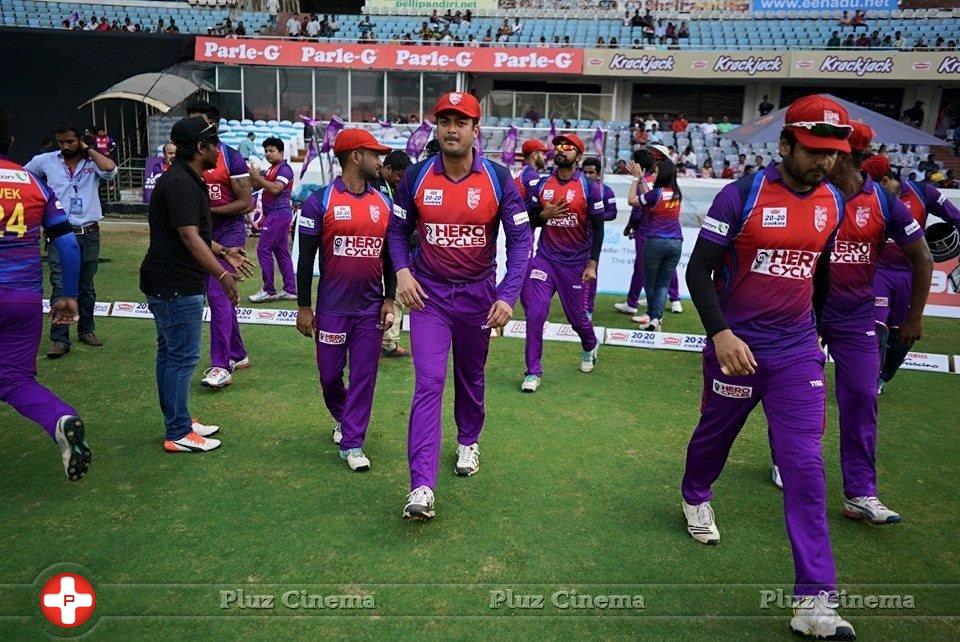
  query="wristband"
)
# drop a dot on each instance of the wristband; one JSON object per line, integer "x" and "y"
{"x": 220, "y": 278}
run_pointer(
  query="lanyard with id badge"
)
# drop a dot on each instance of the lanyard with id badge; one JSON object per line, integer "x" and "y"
{"x": 75, "y": 208}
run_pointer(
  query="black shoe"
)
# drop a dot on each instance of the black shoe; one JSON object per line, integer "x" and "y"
{"x": 74, "y": 451}
{"x": 57, "y": 350}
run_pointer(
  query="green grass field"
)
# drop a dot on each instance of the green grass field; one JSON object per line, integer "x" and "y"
{"x": 578, "y": 492}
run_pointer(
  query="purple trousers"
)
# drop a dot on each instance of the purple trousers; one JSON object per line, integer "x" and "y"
{"x": 857, "y": 357}
{"x": 225, "y": 341}
{"x": 337, "y": 337}
{"x": 637, "y": 282}
{"x": 455, "y": 316}
{"x": 544, "y": 277}
{"x": 791, "y": 388}
{"x": 275, "y": 244}
{"x": 591, "y": 292}
{"x": 21, "y": 326}
{"x": 893, "y": 289}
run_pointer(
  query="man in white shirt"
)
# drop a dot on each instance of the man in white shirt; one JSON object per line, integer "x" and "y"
{"x": 709, "y": 127}
{"x": 649, "y": 123}
{"x": 655, "y": 135}
{"x": 293, "y": 27}
{"x": 272, "y": 7}
{"x": 313, "y": 27}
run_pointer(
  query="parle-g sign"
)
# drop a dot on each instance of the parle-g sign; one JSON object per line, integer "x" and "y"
{"x": 294, "y": 53}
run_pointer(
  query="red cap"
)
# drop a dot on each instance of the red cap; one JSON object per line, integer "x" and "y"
{"x": 351, "y": 139}
{"x": 877, "y": 166}
{"x": 818, "y": 110}
{"x": 460, "y": 102}
{"x": 573, "y": 139}
{"x": 533, "y": 145}
{"x": 860, "y": 137}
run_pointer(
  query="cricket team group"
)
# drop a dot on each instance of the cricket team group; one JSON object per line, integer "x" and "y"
{"x": 824, "y": 246}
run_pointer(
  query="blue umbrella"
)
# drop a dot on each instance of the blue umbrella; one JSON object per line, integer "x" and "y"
{"x": 886, "y": 130}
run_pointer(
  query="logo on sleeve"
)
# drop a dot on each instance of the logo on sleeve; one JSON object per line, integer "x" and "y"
{"x": 342, "y": 213}
{"x": 774, "y": 217}
{"x": 399, "y": 212}
{"x": 732, "y": 391}
{"x": 13, "y": 176}
{"x": 882, "y": 302}
{"x": 305, "y": 222}
{"x": 820, "y": 217}
{"x": 598, "y": 206}
{"x": 520, "y": 218}
{"x": 375, "y": 213}
{"x": 789, "y": 264}
{"x": 715, "y": 226}
{"x": 863, "y": 215}
{"x": 433, "y": 197}
{"x": 913, "y": 228}
{"x": 473, "y": 197}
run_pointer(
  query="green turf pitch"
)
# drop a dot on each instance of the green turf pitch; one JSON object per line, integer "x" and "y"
{"x": 577, "y": 496}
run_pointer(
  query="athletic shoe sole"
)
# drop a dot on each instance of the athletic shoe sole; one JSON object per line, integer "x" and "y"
{"x": 207, "y": 384}
{"x": 189, "y": 449}
{"x": 418, "y": 513}
{"x": 80, "y": 455}
{"x": 709, "y": 542}
{"x": 798, "y": 628}
{"x": 857, "y": 516}
{"x": 466, "y": 472}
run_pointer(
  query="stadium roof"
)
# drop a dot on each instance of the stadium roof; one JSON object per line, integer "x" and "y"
{"x": 159, "y": 90}
{"x": 886, "y": 130}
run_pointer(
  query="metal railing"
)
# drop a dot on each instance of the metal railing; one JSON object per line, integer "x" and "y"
{"x": 127, "y": 187}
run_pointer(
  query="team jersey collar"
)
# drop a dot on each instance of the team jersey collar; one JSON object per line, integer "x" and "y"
{"x": 868, "y": 183}
{"x": 576, "y": 175}
{"x": 341, "y": 187}
{"x": 477, "y": 165}
{"x": 772, "y": 172}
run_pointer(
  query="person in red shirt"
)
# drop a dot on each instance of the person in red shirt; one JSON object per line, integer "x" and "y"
{"x": 727, "y": 170}
{"x": 679, "y": 123}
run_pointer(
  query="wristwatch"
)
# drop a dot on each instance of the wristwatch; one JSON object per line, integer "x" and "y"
{"x": 222, "y": 253}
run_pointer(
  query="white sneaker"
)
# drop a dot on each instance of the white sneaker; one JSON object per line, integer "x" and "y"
{"x": 191, "y": 443}
{"x": 869, "y": 509}
{"x": 262, "y": 297}
{"x": 642, "y": 319}
{"x": 775, "y": 476}
{"x": 676, "y": 307}
{"x": 243, "y": 364}
{"x": 216, "y": 378}
{"x": 590, "y": 315}
{"x": 879, "y": 387}
{"x": 355, "y": 459}
{"x": 468, "y": 460}
{"x": 419, "y": 504}
{"x": 700, "y": 523}
{"x": 530, "y": 383}
{"x": 588, "y": 360}
{"x": 653, "y": 325}
{"x": 74, "y": 451}
{"x": 203, "y": 431}
{"x": 624, "y": 308}
{"x": 337, "y": 434}
{"x": 816, "y": 616}
{"x": 286, "y": 296}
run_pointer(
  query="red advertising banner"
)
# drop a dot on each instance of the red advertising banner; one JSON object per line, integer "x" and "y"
{"x": 297, "y": 53}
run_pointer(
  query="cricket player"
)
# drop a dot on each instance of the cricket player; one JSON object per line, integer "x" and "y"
{"x": 277, "y": 184}
{"x": 765, "y": 239}
{"x": 534, "y": 161}
{"x": 26, "y": 206}
{"x": 872, "y": 215}
{"x": 898, "y": 319}
{"x": 348, "y": 221}
{"x": 457, "y": 200}
{"x": 593, "y": 170}
{"x": 230, "y": 199}
{"x": 570, "y": 207}
{"x": 391, "y": 173}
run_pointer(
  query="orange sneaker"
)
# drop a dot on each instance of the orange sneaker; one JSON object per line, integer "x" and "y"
{"x": 191, "y": 443}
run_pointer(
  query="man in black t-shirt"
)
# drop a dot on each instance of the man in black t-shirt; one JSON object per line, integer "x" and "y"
{"x": 171, "y": 276}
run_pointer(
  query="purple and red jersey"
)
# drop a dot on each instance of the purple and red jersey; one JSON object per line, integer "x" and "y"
{"x": 352, "y": 229}
{"x": 568, "y": 239}
{"x": 458, "y": 222}
{"x": 105, "y": 145}
{"x": 609, "y": 202}
{"x": 281, "y": 201}
{"x": 921, "y": 199}
{"x": 230, "y": 165}
{"x": 26, "y": 206}
{"x": 872, "y": 216}
{"x": 774, "y": 237}
{"x": 661, "y": 213}
{"x": 527, "y": 179}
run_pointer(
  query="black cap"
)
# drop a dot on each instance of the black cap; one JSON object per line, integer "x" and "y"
{"x": 190, "y": 131}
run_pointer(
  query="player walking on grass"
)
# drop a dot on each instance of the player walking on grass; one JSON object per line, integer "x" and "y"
{"x": 764, "y": 240}
{"x": 228, "y": 184}
{"x": 26, "y": 206}
{"x": 896, "y": 314}
{"x": 348, "y": 221}
{"x": 571, "y": 209}
{"x": 277, "y": 184}
{"x": 593, "y": 170}
{"x": 456, "y": 200}
{"x": 872, "y": 215}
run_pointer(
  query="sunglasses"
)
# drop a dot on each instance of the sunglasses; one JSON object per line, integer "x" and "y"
{"x": 824, "y": 130}
{"x": 565, "y": 147}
